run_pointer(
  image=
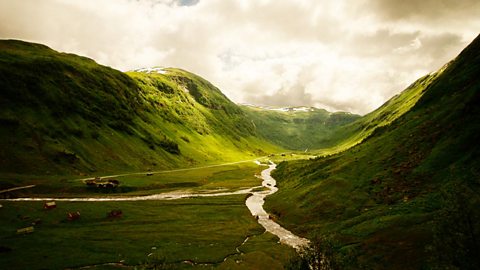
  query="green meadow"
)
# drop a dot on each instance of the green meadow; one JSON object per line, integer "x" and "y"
{"x": 150, "y": 233}
{"x": 168, "y": 234}
{"x": 225, "y": 177}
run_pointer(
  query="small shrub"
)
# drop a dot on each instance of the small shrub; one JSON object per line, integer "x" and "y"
{"x": 324, "y": 253}
{"x": 121, "y": 126}
{"x": 65, "y": 156}
{"x": 456, "y": 230}
{"x": 170, "y": 146}
{"x": 186, "y": 139}
{"x": 95, "y": 135}
{"x": 76, "y": 132}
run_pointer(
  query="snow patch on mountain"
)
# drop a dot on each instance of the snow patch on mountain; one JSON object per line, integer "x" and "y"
{"x": 158, "y": 70}
{"x": 294, "y": 109}
{"x": 282, "y": 109}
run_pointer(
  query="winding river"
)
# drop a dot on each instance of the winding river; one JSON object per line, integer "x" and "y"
{"x": 254, "y": 203}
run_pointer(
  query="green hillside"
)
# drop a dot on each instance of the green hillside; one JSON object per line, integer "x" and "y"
{"x": 324, "y": 133}
{"x": 354, "y": 133}
{"x": 299, "y": 128}
{"x": 65, "y": 114}
{"x": 395, "y": 189}
{"x": 408, "y": 196}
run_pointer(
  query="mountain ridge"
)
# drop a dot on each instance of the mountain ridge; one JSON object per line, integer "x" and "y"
{"x": 63, "y": 114}
{"x": 299, "y": 128}
{"x": 407, "y": 190}
{"x": 400, "y": 182}
{"x": 68, "y": 114}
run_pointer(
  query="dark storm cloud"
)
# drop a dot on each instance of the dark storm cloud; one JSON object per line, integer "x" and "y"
{"x": 427, "y": 9}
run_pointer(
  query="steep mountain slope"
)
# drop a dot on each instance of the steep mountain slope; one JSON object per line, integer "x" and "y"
{"x": 408, "y": 196}
{"x": 63, "y": 114}
{"x": 299, "y": 128}
{"x": 353, "y": 133}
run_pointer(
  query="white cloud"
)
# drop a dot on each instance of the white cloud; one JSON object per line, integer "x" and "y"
{"x": 415, "y": 44}
{"x": 342, "y": 55}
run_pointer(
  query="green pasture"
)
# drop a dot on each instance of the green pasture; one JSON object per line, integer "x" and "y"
{"x": 224, "y": 177}
{"x": 199, "y": 230}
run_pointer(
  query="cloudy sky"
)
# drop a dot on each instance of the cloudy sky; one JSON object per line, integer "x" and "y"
{"x": 339, "y": 55}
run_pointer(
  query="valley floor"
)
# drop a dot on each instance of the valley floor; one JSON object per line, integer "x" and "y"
{"x": 208, "y": 226}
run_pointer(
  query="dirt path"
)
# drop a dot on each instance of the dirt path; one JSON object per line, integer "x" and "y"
{"x": 169, "y": 171}
{"x": 16, "y": 188}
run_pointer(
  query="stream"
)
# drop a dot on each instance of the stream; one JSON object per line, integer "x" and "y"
{"x": 174, "y": 195}
{"x": 254, "y": 203}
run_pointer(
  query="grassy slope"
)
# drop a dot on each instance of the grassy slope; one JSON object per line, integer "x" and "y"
{"x": 299, "y": 130}
{"x": 65, "y": 114}
{"x": 325, "y": 133}
{"x": 353, "y": 133}
{"x": 387, "y": 199}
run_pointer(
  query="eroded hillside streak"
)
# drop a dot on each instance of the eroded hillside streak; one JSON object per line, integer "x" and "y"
{"x": 255, "y": 205}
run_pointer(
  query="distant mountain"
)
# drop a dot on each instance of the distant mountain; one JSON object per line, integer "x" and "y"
{"x": 406, "y": 196}
{"x": 298, "y": 128}
{"x": 282, "y": 109}
{"x": 63, "y": 113}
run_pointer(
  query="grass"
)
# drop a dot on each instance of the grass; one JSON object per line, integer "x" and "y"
{"x": 288, "y": 156}
{"x": 227, "y": 177}
{"x": 354, "y": 133}
{"x": 299, "y": 130}
{"x": 384, "y": 199}
{"x": 259, "y": 253}
{"x": 200, "y": 230}
{"x": 66, "y": 115}
{"x": 397, "y": 188}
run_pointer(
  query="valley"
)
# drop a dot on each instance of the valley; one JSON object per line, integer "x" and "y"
{"x": 165, "y": 172}
{"x": 239, "y": 240}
